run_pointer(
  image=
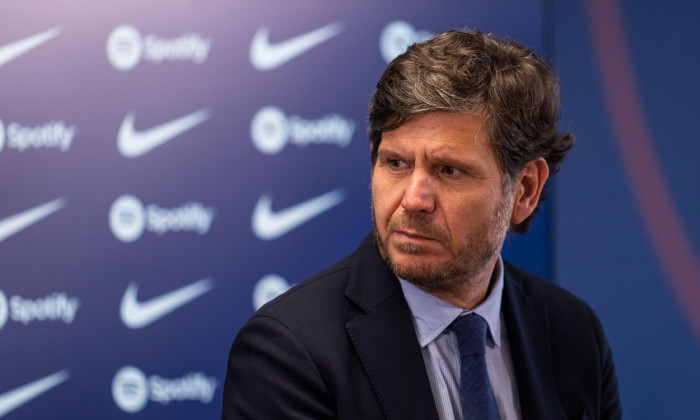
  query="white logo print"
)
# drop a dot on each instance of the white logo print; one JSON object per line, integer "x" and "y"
{"x": 128, "y": 218}
{"x": 268, "y": 288}
{"x": 266, "y": 56}
{"x": 2, "y": 135}
{"x": 54, "y": 307}
{"x": 135, "y": 314}
{"x": 20, "y": 221}
{"x": 131, "y": 389}
{"x": 54, "y": 134}
{"x": 4, "y": 311}
{"x": 271, "y": 130}
{"x": 133, "y": 144}
{"x": 268, "y": 224}
{"x": 397, "y": 36}
{"x": 11, "y": 51}
{"x": 17, "y": 397}
{"x": 126, "y": 47}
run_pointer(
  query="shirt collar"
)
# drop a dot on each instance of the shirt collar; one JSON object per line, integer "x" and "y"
{"x": 432, "y": 315}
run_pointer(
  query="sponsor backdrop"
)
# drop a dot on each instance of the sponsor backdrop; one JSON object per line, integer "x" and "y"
{"x": 168, "y": 167}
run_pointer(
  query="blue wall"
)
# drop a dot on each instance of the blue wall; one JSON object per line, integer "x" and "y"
{"x": 627, "y": 236}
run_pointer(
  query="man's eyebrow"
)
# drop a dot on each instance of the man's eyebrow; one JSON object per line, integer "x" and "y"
{"x": 387, "y": 152}
{"x": 468, "y": 163}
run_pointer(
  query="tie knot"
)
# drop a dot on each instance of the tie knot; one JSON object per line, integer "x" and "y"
{"x": 471, "y": 334}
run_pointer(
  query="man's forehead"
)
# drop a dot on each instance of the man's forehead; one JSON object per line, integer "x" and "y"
{"x": 443, "y": 129}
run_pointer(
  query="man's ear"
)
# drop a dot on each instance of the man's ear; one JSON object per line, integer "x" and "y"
{"x": 527, "y": 190}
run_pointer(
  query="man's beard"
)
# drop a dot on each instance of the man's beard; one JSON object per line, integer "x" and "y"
{"x": 467, "y": 262}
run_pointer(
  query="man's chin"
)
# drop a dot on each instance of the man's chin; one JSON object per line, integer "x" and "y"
{"x": 414, "y": 247}
{"x": 426, "y": 277}
{"x": 409, "y": 260}
{"x": 408, "y": 265}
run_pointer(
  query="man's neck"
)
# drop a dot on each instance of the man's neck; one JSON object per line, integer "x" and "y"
{"x": 470, "y": 291}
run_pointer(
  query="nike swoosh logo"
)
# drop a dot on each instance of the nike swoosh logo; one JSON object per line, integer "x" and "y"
{"x": 20, "y": 221}
{"x": 11, "y": 51}
{"x": 267, "y": 56}
{"x": 133, "y": 144}
{"x": 268, "y": 224}
{"x": 137, "y": 314}
{"x": 17, "y": 397}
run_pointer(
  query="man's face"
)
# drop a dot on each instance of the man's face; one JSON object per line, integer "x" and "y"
{"x": 439, "y": 210}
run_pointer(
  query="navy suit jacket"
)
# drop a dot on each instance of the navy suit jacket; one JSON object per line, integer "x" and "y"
{"x": 342, "y": 345}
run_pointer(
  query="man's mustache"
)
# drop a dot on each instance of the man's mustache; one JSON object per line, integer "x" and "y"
{"x": 418, "y": 223}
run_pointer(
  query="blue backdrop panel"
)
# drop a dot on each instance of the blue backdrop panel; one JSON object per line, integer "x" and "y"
{"x": 167, "y": 167}
{"x": 628, "y": 237}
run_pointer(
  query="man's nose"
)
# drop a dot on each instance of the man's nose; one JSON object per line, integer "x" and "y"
{"x": 419, "y": 195}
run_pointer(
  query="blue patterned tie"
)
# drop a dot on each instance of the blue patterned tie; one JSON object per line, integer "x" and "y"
{"x": 475, "y": 393}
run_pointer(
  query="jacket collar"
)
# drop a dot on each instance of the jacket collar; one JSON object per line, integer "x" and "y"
{"x": 527, "y": 320}
{"x": 385, "y": 339}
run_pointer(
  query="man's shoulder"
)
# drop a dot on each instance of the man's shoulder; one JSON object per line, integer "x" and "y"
{"x": 541, "y": 291}
{"x": 570, "y": 323}
{"x": 358, "y": 282}
{"x": 317, "y": 291}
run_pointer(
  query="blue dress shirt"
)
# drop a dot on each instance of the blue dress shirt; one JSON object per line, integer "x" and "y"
{"x": 432, "y": 317}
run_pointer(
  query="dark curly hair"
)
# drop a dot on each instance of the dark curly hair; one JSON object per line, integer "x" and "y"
{"x": 468, "y": 71}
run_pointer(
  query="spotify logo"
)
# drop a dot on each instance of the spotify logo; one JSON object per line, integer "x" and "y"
{"x": 130, "y": 389}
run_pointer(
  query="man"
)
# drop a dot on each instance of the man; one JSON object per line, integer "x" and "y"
{"x": 464, "y": 136}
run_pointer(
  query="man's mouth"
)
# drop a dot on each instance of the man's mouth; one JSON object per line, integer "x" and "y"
{"x": 413, "y": 235}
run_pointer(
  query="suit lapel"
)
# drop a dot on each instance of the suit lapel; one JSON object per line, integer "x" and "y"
{"x": 526, "y": 319}
{"x": 385, "y": 339}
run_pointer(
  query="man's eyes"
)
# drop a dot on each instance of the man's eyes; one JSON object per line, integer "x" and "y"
{"x": 451, "y": 170}
{"x": 447, "y": 170}
{"x": 397, "y": 164}
{"x": 392, "y": 162}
